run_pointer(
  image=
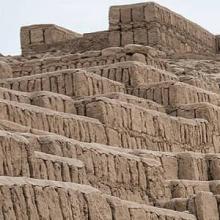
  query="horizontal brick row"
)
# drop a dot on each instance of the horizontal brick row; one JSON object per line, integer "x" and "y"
{"x": 132, "y": 73}
{"x": 66, "y": 82}
{"x": 44, "y": 99}
{"x": 185, "y": 165}
{"x": 69, "y": 125}
{"x": 37, "y": 199}
{"x": 171, "y": 94}
{"x": 131, "y": 126}
{"x": 186, "y": 188}
{"x": 203, "y": 110}
{"x": 140, "y": 180}
{"x": 145, "y": 103}
{"x": 88, "y": 59}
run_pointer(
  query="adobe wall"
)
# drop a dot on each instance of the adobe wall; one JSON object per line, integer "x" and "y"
{"x": 49, "y": 38}
{"x": 154, "y": 25}
{"x": 146, "y": 24}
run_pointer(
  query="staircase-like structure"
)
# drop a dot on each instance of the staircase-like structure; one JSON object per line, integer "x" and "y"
{"x": 122, "y": 124}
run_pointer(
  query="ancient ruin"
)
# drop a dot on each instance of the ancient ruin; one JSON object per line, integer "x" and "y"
{"x": 121, "y": 124}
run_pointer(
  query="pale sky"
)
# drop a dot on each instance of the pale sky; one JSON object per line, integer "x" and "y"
{"x": 87, "y": 16}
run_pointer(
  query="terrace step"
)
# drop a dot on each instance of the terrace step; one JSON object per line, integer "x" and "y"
{"x": 203, "y": 110}
{"x": 58, "y": 168}
{"x": 171, "y": 94}
{"x": 204, "y": 205}
{"x": 131, "y": 126}
{"x": 73, "y": 126}
{"x": 145, "y": 103}
{"x": 105, "y": 123}
{"x": 49, "y": 200}
{"x": 62, "y": 103}
{"x": 184, "y": 165}
{"x": 53, "y": 101}
{"x": 203, "y": 82}
{"x": 186, "y": 188}
{"x": 65, "y": 82}
{"x": 57, "y": 158}
{"x": 140, "y": 53}
{"x": 132, "y": 73}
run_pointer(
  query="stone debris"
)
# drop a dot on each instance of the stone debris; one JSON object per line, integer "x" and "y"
{"x": 120, "y": 124}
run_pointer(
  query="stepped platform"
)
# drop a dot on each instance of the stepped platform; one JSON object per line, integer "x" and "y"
{"x": 114, "y": 125}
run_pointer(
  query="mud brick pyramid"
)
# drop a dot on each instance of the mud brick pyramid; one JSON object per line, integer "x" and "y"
{"x": 121, "y": 124}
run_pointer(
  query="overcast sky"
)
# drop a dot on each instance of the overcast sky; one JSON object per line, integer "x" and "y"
{"x": 87, "y": 16}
